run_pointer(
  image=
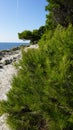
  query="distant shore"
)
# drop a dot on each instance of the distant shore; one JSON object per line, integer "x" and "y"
{"x": 9, "y": 45}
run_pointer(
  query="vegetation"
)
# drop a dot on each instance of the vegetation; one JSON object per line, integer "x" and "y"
{"x": 60, "y": 12}
{"x": 34, "y": 36}
{"x": 41, "y": 97}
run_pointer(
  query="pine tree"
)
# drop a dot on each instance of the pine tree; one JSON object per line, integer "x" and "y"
{"x": 60, "y": 12}
{"x": 41, "y": 96}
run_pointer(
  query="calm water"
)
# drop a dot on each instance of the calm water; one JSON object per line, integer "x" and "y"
{"x": 7, "y": 45}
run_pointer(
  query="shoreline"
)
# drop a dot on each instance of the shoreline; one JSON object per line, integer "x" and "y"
{"x": 11, "y": 45}
{"x": 7, "y": 71}
{"x": 11, "y": 50}
{"x": 13, "y": 54}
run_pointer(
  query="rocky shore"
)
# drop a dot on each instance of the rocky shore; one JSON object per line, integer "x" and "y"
{"x": 7, "y": 58}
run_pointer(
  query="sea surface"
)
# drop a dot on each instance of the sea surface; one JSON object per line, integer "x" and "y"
{"x": 9, "y": 45}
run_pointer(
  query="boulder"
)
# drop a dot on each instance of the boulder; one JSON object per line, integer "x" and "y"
{"x": 7, "y": 61}
{"x": 0, "y": 57}
{"x": 1, "y": 66}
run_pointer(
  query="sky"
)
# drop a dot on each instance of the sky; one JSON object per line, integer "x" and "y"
{"x": 19, "y": 15}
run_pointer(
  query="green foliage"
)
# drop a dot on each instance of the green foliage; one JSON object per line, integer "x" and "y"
{"x": 59, "y": 90}
{"x": 59, "y": 12}
{"x": 41, "y": 96}
{"x": 33, "y": 36}
{"x": 25, "y": 35}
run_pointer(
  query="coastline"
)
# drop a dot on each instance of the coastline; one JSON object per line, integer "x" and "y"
{"x": 11, "y": 45}
{"x": 7, "y": 70}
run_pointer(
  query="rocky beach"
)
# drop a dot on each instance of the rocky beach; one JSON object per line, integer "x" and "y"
{"x": 7, "y": 58}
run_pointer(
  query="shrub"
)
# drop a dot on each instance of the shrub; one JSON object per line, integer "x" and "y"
{"x": 41, "y": 96}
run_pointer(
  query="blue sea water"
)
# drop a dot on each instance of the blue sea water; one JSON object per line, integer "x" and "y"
{"x": 9, "y": 45}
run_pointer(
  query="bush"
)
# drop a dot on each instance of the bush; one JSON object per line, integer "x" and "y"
{"x": 41, "y": 96}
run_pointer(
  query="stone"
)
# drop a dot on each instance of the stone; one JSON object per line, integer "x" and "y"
{"x": 7, "y": 61}
{"x": 1, "y": 66}
{"x": 0, "y": 57}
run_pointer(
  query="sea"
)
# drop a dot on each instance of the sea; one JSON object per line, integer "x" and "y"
{"x": 10, "y": 45}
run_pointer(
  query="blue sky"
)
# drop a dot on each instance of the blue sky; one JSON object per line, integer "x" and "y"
{"x": 19, "y": 15}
